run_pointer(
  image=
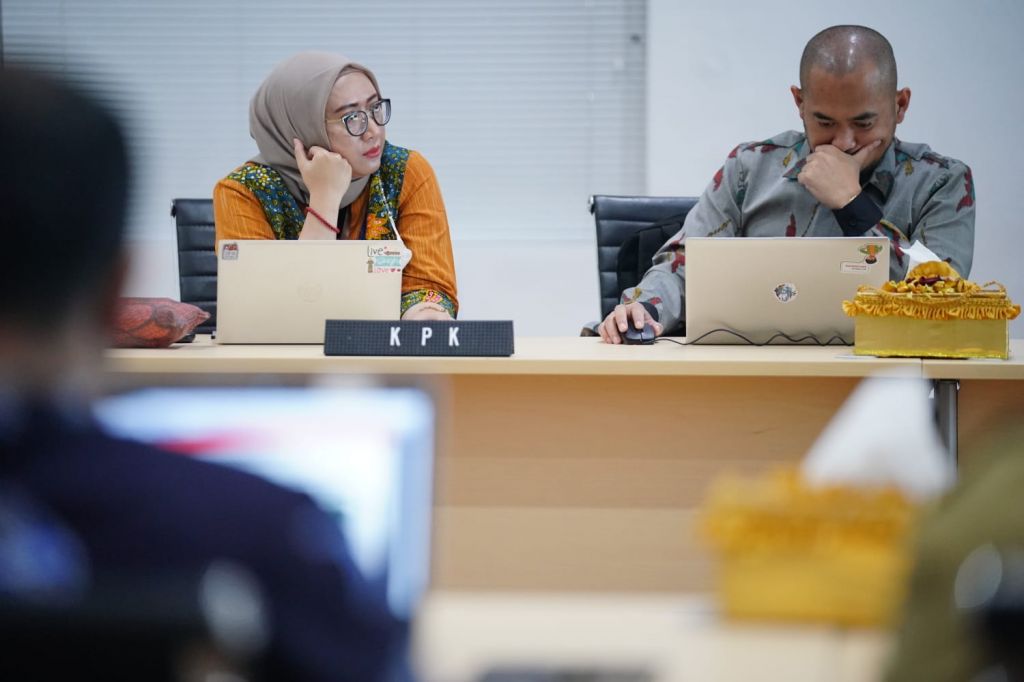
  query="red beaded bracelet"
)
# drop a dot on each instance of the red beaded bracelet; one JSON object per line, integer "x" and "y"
{"x": 322, "y": 220}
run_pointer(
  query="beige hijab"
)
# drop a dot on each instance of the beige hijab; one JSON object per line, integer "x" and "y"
{"x": 291, "y": 103}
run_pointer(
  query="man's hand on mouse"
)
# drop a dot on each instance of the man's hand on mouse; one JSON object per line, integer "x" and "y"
{"x": 624, "y": 316}
{"x": 833, "y": 176}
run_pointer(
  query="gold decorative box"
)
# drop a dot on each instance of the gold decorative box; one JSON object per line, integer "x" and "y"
{"x": 932, "y": 313}
{"x": 791, "y": 552}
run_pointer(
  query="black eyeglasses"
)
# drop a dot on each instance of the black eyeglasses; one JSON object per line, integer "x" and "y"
{"x": 357, "y": 122}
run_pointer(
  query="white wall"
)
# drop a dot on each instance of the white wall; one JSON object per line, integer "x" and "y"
{"x": 721, "y": 75}
{"x": 718, "y": 75}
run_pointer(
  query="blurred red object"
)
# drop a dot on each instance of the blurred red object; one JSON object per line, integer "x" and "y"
{"x": 153, "y": 322}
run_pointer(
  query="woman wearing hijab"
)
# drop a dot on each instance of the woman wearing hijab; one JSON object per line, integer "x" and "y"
{"x": 326, "y": 171}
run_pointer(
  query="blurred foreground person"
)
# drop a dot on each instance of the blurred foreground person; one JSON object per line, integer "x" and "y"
{"x": 80, "y": 509}
{"x": 965, "y": 609}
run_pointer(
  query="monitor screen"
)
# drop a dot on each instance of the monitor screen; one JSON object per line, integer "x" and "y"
{"x": 365, "y": 455}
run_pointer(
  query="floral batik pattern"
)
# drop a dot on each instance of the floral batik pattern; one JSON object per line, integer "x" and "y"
{"x": 286, "y": 215}
{"x": 428, "y": 296}
{"x": 385, "y": 188}
{"x": 280, "y": 207}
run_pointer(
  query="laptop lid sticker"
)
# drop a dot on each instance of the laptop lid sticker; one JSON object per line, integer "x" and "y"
{"x": 383, "y": 259}
{"x": 859, "y": 267}
{"x": 785, "y": 292}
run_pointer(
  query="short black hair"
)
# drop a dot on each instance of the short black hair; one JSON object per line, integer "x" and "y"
{"x": 840, "y": 50}
{"x": 63, "y": 197}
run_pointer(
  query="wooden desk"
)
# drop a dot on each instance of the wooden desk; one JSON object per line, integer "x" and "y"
{"x": 459, "y": 636}
{"x": 575, "y": 465}
{"x": 547, "y": 356}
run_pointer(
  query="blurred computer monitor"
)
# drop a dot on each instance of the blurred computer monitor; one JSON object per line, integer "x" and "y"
{"x": 366, "y": 455}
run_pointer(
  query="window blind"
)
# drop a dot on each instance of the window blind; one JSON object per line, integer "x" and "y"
{"x": 524, "y": 108}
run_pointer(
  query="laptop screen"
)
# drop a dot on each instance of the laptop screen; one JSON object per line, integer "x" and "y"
{"x": 364, "y": 455}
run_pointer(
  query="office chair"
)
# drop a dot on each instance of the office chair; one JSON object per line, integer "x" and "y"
{"x": 630, "y": 229}
{"x": 197, "y": 257}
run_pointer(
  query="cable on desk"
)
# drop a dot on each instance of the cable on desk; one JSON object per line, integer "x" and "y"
{"x": 799, "y": 339}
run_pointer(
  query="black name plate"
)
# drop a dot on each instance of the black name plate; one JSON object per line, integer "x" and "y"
{"x": 407, "y": 337}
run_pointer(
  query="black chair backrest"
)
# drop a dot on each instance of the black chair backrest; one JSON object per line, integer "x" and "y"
{"x": 152, "y": 628}
{"x": 197, "y": 256}
{"x": 629, "y": 232}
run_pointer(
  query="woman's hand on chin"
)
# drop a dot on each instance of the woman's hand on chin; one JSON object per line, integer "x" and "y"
{"x": 327, "y": 175}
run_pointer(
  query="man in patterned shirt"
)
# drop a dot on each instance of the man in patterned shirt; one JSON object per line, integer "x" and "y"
{"x": 845, "y": 175}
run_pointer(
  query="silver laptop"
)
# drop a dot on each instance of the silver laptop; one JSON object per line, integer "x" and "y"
{"x": 366, "y": 456}
{"x": 282, "y": 291}
{"x": 759, "y": 287}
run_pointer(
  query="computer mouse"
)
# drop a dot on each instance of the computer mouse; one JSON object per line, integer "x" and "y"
{"x": 638, "y": 336}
